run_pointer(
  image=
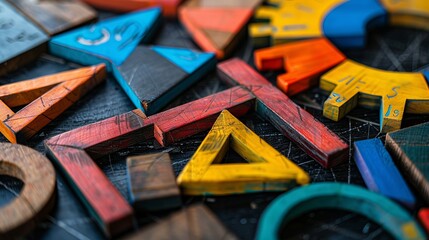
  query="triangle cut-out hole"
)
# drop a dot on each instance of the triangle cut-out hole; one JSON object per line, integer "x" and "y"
{"x": 268, "y": 170}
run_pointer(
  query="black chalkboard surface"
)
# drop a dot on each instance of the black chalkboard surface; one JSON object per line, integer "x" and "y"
{"x": 396, "y": 49}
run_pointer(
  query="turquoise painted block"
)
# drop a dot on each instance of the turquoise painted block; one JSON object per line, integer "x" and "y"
{"x": 385, "y": 212}
{"x": 152, "y": 80}
{"x": 380, "y": 172}
{"x": 189, "y": 60}
{"x": 108, "y": 41}
{"x": 347, "y": 24}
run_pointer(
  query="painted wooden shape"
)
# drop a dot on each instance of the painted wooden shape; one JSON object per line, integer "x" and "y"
{"x": 47, "y": 97}
{"x": 154, "y": 76}
{"x": 410, "y": 13}
{"x": 268, "y": 170}
{"x": 186, "y": 120}
{"x": 216, "y": 27}
{"x": 56, "y": 16}
{"x": 151, "y": 76}
{"x": 303, "y": 61}
{"x": 110, "y": 41}
{"x": 351, "y": 83}
{"x": 169, "y": 7}
{"x": 73, "y": 151}
{"x": 20, "y": 40}
{"x": 389, "y": 215}
{"x": 409, "y": 148}
{"x": 195, "y": 222}
{"x": 380, "y": 172}
{"x": 290, "y": 119}
{"x": 36, "y": 199}
{"x": 345, "y": 22}
{"x": 346, "y": 25}
{"x": 152, "y": 183}
{"x": 424, "y": 218}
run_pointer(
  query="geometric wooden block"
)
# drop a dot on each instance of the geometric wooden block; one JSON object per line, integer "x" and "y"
{"x": 409, "y": 148}
{"x": 268, "y": 170}
{"x": 169, "y": 7}
{"x": 410, "y": 13}
{"x": 154, "y": 76}
{"x": 195, "y": 222}
{"x": 150, "y": 76}
{"x": 217, "y": 26}
{"x": 343, "y": 22}
{"x": 37, "y": 197}
{"x": 46, "y": 98}
{"x": 390, "y": 216}
{"x": 290, "y": 119}
{"x": 303, "y": 61}
{"x": 56, "y": 16}
{"x": 20, "y": 40}
{"x": 73, "y": 151}
{"x": 152, "y": 183}
{"x": 380, "y": 173}
{"x": 351, "y": 83}
{"x": 424, "y": 218}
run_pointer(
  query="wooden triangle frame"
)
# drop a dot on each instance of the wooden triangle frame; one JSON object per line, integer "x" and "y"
{"x": 46, "y": 98}
{"x": 268, "y": 170}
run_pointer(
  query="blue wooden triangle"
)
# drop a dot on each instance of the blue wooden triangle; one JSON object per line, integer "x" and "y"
{"x": 108, "y": 41}
{"x": 186, "y": 59}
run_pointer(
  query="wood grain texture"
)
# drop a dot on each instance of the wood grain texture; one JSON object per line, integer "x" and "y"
{"x": 410, "y": 149}
{"x": 152, "y": 183}
{"x": 196, "y": 222}
{"x": 424, "y": 218}
{"x": 56, "y": 16}
{"x": 412, "y": 13}
{"x": 191, "y": 118}
{"x": 304, "y": 62}
{"x": 72, "y": 152}
{"x": 169, "y": 7}
{"x": 393, "y": 218}
{"x": 37, "y": 197}
{"x": 20, "y": 40}
{"x": 290, "y": 119}
{"x": 216, "y": 27}
{"x": 351, "y": 83}
{"x": 152, "y": 77}
{"x": 380, "y": 172}
{"x": 47, "y": 97}
{"x": 268, "y": 170}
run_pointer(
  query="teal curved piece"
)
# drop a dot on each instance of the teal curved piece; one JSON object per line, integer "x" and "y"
{"x": 389, "y": 215}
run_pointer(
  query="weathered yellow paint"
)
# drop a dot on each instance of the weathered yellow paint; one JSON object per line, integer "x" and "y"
{"x": 352, "y": 83}
{"x": 291, "y": 20}
{"x": 268, "y": 170}
{"x": 409, "y": 13}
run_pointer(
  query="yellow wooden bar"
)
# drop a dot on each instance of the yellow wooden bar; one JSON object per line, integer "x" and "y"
{"x": 410, "y": 13}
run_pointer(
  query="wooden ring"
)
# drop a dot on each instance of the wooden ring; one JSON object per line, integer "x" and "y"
{"x": 394, "y": 219}
{"x": 37, "y": 196}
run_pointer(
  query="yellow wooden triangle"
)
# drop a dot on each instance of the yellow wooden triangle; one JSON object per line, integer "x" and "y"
{"x": 268, "y": 170}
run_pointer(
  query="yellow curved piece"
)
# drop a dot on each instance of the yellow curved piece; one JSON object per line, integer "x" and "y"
{"x": 352, "y": 83}
{"x": 268, "y": 170}
{"x": 291, "y": 20}
{"x": 409, "y": 13}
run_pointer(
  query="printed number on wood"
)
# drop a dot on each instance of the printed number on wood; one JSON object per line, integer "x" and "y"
{"x": 352, "y": 83}
{"x": 268, "y": 170}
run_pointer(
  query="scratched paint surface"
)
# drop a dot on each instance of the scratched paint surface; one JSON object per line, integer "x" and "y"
{"x": 390, "y": 49}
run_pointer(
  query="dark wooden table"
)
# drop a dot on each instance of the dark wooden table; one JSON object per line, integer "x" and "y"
{"x": 395, "y": 49}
